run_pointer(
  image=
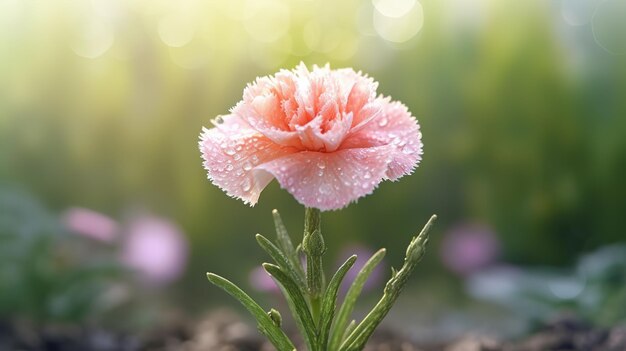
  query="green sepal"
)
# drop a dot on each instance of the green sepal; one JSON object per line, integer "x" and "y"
{"x": 339, "y": 327}
{"x": 266, "y": 326}
{"x": 281, "y": 260}
{"x": 329, "y": 302}
{"x": 297, "y": 304}
{"x": 359, "y": 336}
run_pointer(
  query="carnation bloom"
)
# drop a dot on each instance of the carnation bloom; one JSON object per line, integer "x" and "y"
{"x": 323, "y": 134}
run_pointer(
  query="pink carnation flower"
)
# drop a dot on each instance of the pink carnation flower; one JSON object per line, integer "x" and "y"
{"x": 323, "y": 134}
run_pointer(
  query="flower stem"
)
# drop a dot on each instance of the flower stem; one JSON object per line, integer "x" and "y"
{"x": 314, "y": 248}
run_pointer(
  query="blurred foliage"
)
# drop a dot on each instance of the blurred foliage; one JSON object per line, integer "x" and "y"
{"x": 102, "y": 101}
{"x": 46, "y": 274}
{"x": 595, "y": 289}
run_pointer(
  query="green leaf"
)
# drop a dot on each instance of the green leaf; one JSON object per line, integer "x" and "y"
{"x": 276, "y": 336}
{"x": 281, "y": 260}
{"x": 297, "y": 304}
{"x": 329, "y": 302}
{"x": 284, "y": 242}
{"x": 339, "y": 328}
{"x": 414, "y": 253}
{"x": 349, "y": 330}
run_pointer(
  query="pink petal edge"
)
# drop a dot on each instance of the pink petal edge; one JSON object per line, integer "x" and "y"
{"x": 330, "y": 181}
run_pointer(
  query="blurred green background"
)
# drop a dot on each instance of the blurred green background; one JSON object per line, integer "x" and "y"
{"x": 522, "y": 105}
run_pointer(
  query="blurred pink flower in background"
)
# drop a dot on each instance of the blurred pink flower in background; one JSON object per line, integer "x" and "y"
{"x": 155, "y": 248}
{"x": 324, "y": 134}
{"x": 90, "y": 224}
{"x": 363, "y": 254}
{"x": 261, "y": 281}
{"x": 468, "y": 248}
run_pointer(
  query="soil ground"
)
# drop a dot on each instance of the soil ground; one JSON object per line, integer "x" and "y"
{"x": 223, "y": 331}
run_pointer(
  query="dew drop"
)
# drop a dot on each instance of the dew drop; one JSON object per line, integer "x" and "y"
{"x": 321, "y": 164}
{"x": 320, "y": 172}
{"x": 238, "y": 148}
{"x": 383, "y": 122}
{"x": 237, "y": 157}
{"x": 229, "y": 167}
{"x": 407, "y": 151}
{"x": 229, "y": 151}
{"x": 283, "y": 168}
{"x": 247, "y": 166}
{"x": 247, "y": 185}
{"x": 325, "y": 189}
{"x": 255, "y": 159}
{"x": 367, "y": 175}
{"x": 218, "y": 120}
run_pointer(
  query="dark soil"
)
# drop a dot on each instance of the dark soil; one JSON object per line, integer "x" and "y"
{"x": 223, "y": 331}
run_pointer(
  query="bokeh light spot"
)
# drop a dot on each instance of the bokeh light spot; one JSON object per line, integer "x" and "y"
{"x": 609, "y": 26}
{"x": 576, "y": 12}
{"x": 93, "y": 40}
{"x": 266, "y": 20}
{"x": 394, "y": 8}
{"x": 176, "y": 31}
{"x": 399, "y": 29}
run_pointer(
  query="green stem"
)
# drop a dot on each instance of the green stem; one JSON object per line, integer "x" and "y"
{"x": 314, "y": 248}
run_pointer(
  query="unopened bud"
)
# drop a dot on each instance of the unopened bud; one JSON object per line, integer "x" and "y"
{"x": 313, "y": 244}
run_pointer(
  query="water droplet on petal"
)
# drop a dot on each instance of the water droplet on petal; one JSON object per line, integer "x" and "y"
{"x": 325, "y": 189}
{"x": 321, "y": 164}
{"x": 255, "y": 159}
{"x": 283, "y": 168}
{"x": 247, "y": 166}
{"x": 383, "y": 122}
{"x": 229, "y": 167}
{"x": 247, "y": 185}
{"x": 229, "y": 151}
{"x": 407, "y": 151}
{"x": 367, "y": 175}
{"x": 217, "y": 120}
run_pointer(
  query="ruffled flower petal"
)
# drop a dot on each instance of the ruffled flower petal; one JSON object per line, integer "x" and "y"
{"x": 231, "y": 150}
{"x": 330, "y": 181}
{"x": 394, "y": 126}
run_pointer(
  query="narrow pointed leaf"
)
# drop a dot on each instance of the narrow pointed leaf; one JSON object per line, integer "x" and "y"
{"x": 276, "y": 336}
{"x": 339, "y": 328}
{"x": 329, "y": 303}
{"x": 414, "y": 253}
{"x": 281, "y": 260}
{"x": 298, "y": 305}
{"x": 349, "y": 330}
{"x": 284, "y": 242}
